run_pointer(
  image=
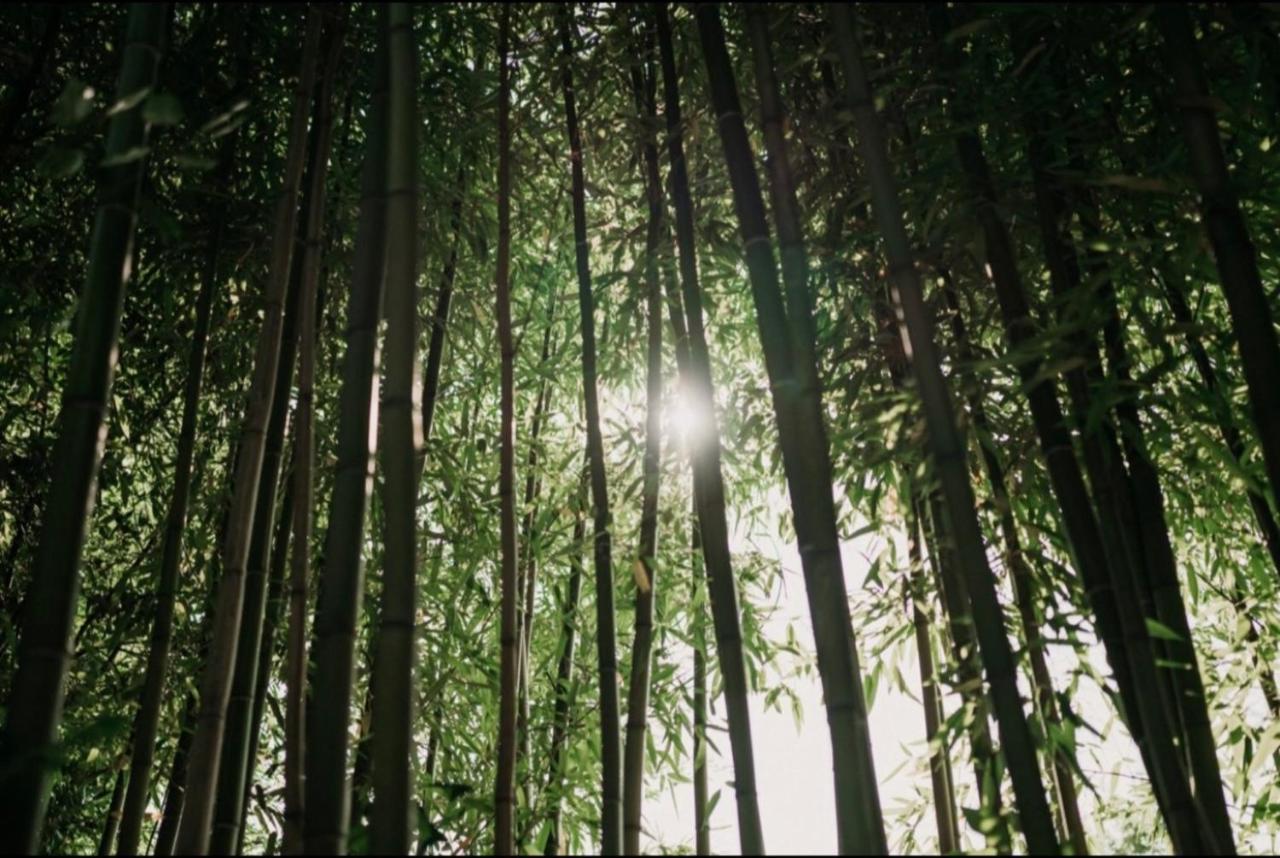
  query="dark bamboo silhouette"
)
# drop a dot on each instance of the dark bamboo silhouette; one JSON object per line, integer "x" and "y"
{"x": 113, "y": 809}
{"x": 401, "y": 439}
{"x": 340, "y": 598}
{"x": 946, "y": 446}
{"x": 786, "y": 335}
{"x": 643, "y": 82}
{"x": 504, "y": 837}
{"x": 708, "y": 482}
{"x": 165, "y": 834}
{"x": 606, "y": 634}
{"x": 33, "y": 711}
{"x": 1252, "y": 321}
{"x": 215, "y": 687}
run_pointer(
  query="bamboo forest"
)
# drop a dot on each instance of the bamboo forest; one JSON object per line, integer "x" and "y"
{"x": 639, "y": 428}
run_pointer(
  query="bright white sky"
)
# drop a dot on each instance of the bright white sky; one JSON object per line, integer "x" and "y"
{"x": 792, "y": 767}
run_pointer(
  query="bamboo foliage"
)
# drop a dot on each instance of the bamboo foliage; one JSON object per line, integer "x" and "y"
{"x": 1074, "y": 196}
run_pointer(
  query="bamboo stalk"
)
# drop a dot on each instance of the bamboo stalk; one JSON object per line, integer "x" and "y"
{"x": 33, "y": 711}
{"x": 786, "y": 336}
{"x": 643, "y": 81}
{"x": 944, "y": 803}
{"x": 340, "y": 599}
{"x": 401, "y": 439}
{"x": 215, "y": 688}
{"x": 505, "y": 798}
{"x": 708, "y": 481}
{"x": 946, "y": 446}
{"x": 564, "y": 686}
{"x": 606, "y": 635}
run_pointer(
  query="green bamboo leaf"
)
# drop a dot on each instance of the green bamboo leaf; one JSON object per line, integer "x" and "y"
{"x": 73, "y": 104}
{"x": 128, "y": 156}
{"x": 1159, "y": 630}
{"x": 59, "y": 162}
{"x": 161, "y": 108}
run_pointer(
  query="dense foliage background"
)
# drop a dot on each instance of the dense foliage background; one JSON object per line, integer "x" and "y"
{"x": 1126, "y": 255}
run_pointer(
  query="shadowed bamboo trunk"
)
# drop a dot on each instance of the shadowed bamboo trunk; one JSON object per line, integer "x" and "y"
{"x": 643, "y": 81}
{"x": 1252, "y": 321}
{"x": 235, "y": 772}
{"x": 147, "y": 720}
{"x": 33, "y": 711}
{"x": 166, "y": 833}
{"x": 787, "y": 339}
{"x": 505, "y": 798}
{"x": 340, "y": 599}
{"x": 215, "y": 687}
{"x": 704, "y": 451}
{"x": 606, "y": 636}
{"x": 968, "y": 666}
{"x": 528, "y": 565}
{"x": 944, "y": 803}
{"x": 1025, "y": 592}
{"x": 113, "y": 809}
{"x": 274, "y": 609}
{"x": 392, "y": 729}
{"x": 304, "y": 462}
{"x": 947, "y": 447}
{"x": 564, "y": 672}
{"x": 929, "y": 506}
{"x": 701, "y": 824}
